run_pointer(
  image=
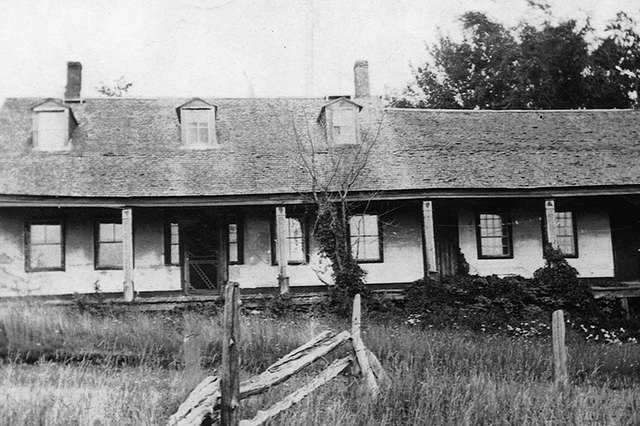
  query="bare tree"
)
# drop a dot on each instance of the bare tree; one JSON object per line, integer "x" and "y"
{"x": 334, "y": 171}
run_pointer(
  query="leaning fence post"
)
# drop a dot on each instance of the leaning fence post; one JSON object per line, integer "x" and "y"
{"x": 191, "y": 353}
{"x": 229, "y": 377}
{"x": 559, "y": 349}
{"x": 361, "y": 350}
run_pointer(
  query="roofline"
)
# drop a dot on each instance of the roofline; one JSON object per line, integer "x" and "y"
{"x": 7, "y": 200}
{"x": 509, "y": 111}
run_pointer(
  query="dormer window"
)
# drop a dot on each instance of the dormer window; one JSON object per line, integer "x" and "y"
{"x": 198, "y": 124}
{"x": 344, "y": 125}
{"x": 53, "y": 123}
{"x": 340, "y": 119}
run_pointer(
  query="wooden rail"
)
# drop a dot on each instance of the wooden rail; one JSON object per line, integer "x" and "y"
{"x": 218, "y": 400}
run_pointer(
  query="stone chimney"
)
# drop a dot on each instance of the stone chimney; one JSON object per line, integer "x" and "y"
{"x": 361, "y": 79}
{"x": 74, "y": 82}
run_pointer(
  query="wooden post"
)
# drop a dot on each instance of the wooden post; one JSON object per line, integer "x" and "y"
{"x": 222, "y": 269}
{"x": 429, "y": 238}
{"x": 230, "y": 367}
{"x": 281, "y": 249}
{"x": 551, "y": 223}
{"x": 559, "y": 349}
{"x": 127, "y": 254}
{"x": 361, "y": 350}
{"x": 191, "y": 353}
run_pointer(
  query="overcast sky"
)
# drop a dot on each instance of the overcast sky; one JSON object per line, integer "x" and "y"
{"x": 239, "y": 48}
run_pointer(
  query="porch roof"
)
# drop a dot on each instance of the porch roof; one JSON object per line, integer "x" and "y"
{"x": 132, "y": 148}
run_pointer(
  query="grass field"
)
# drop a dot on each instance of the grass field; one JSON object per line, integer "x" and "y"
{"x": 448, "y": 377}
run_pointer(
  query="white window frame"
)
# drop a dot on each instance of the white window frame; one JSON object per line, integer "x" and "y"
{"x": 566, "y": 232}
{"x": 187, "y": 124}
{"x": 342, "y": 132}
{"x": 358, "y": 235}
{"x": 42, "y": 142}
{"x": 30, "y": 244}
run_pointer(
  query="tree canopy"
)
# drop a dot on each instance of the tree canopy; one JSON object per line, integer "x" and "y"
{"x": 552, "y": 66}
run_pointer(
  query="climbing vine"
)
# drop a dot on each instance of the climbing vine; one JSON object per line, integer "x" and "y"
{"x": 331, "y": 233}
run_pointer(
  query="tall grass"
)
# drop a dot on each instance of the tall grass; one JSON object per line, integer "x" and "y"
{"x": 437, "y": 376}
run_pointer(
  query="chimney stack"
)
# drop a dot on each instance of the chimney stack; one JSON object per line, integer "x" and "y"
{"x": 361, "y": 79}
{"x": 74, "y": 82}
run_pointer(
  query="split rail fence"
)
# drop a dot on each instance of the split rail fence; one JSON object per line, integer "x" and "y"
{"x": 217, "y": 398}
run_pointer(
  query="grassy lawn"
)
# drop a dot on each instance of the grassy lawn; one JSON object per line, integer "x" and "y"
{"x": 438, "y": 376}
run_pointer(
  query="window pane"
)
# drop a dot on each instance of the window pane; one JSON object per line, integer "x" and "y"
{"x": 565, "y": 233}
{"x": 233, "y": 233}
{"x": 203, "y": 135}
{"x": 52, "y": 234}
{"x": 196, "y": 115}
{"x": 370, "y": 224}
{"x": 175, "y": 254}
{"x": 494, "y": 236}
{"x": 46, "y": 256}
{"x": 106, "y": 232}
{"x": 370, "y": 248}
{"x": 192, "y": 135}
{"x": 296, "y": 250}
{"x": 110, "y": 255}
{"x": 365, "y": 241}
{"x": 295, "y": 239}
{"x": 344, "y": 125}
{"x": 51, "y": 130}
{"x": 117, "y": 232}
{"x": 355, "y": 225}
{"x": 37, "y": 233}
{"x": 234, "y": 247}
{"x": 233, "y": 252}
{"x": 175, "y": 236}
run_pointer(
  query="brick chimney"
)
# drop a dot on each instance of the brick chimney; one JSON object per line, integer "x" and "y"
{"x": 361, "y": 79}
{"x": 74, "y": 82}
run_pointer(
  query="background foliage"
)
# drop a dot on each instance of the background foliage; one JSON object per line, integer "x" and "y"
{"x": 552, "y": 66}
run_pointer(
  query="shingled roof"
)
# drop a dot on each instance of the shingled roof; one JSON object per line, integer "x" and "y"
{"x": 132, "y": 148}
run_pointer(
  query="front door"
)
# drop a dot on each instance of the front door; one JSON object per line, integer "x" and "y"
{"x": 201, "y": 243}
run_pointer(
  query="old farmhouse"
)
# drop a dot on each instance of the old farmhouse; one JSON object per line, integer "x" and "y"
{"x": 178, "y": 196}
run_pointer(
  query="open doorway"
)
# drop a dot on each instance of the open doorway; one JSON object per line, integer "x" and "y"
{"x": 203, "y": 254}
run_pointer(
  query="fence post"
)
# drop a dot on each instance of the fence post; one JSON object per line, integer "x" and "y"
{"x": 559, "y": 349}
{"x": 191, "y": 353}
{"x": 229, "y": 377}
{"x": 361, "y": 351}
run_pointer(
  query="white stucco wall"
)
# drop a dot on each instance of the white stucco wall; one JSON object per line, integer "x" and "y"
{"x": 80, "y": 275}
{"x": 402, "y": 245}
{"x": 594, "y": 244}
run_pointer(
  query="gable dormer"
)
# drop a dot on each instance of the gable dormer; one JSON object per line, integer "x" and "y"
{"x": 53, "y": 123}
{"x": 198, "y": 124}
{"x": 340, "y": 120}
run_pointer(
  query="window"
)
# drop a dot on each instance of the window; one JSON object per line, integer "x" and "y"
{"x": 197, "y": 126}
{"x": 53, "y": 123}
{"x": 235, "y": 241}
{"x": 296, "y": 252}
{"x": 44, "y": 246}
{"x": 344, "y": 125}
{"x": 172, "y": 244}
{"x": 494, "y": 236}
{"x": 365, "y": 238}
{"x": 108, "y": 245}
{"x": 296, "y": 247}
{"x": 52, "y": 130}
{"x": 566, "y": 235}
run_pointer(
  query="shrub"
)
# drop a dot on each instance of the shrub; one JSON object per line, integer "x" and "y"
{"x": 481, "y": 302}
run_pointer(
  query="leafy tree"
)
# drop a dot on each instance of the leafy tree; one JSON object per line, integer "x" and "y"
{"x": 118, "y": 88}
{"x": 528, "y": 67}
